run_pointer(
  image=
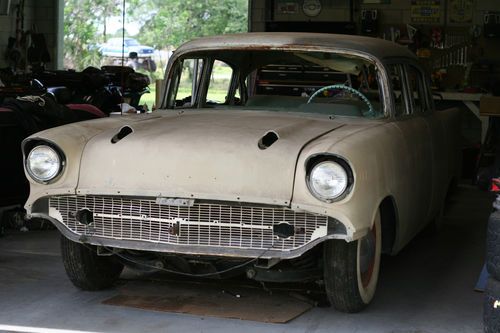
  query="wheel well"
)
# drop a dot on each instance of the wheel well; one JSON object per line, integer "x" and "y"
{"x": 388, "y": 216}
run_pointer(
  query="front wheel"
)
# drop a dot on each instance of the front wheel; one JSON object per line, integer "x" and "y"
{"x": 351, "y": 269}
{"x": 86, "y": 269}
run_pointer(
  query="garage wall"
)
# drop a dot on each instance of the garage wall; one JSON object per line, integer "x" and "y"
{"x": 397, "y": 12}
{"x": 41, "y": 15}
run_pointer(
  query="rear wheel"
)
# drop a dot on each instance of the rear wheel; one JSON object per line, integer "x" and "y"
{"x": 351, "y": 270}
{"x": 86, "y": 269}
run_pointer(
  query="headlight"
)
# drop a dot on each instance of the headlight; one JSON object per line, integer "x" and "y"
{"x": 328, "y": 180}
{"x": 43, "y": 163}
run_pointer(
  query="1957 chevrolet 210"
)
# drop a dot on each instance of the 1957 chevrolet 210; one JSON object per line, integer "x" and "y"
{"x": 316, "y": 154}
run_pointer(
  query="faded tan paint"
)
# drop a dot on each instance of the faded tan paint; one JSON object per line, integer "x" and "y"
{"x": 71, "y": 139}
{"x": 201, "y": 154}
{"x": 210, "y": 154}
{"x": 207, "y": 155}
{"x": 386, "y": 161}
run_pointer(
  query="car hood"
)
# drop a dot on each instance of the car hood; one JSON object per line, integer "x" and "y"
{"x": 201, "y": 154}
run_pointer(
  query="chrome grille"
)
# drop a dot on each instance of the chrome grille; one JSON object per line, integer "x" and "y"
{"x": 202, "y": 224}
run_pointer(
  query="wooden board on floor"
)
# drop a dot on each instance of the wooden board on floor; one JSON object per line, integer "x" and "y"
{"x": 208, "y": 300}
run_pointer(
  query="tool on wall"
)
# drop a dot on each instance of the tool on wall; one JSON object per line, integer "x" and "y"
{"x": 492, "y": 24}
{"x": 454, "y": 57}
{"x": 37, "y": 53}
{"x": 412, "y": 31}
{"x": 15, "y": 45}
{"x": 369, "y": 21}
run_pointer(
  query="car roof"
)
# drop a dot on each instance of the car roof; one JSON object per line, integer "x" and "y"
{"x": 119, "y": 38}
{"x": 376, "y": 47}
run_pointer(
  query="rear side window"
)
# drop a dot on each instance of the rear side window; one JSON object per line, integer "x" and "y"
{"x": 396, "y": 75}
{"x": 417, "y": 94}
{"x": 220, "y": 82}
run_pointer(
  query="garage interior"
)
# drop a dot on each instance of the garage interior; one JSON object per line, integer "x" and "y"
{"x": 434, "y": 285}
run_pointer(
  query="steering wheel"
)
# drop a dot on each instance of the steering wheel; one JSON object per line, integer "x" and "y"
{"x": 370, "y": 111}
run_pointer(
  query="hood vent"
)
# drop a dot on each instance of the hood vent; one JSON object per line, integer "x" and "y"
{"x": 268, "y": 140}
{"x": 124, "y": 131}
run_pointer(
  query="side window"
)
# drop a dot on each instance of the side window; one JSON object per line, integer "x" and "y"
{"x": 396, "y": 75}
{"x": 220, "y": 82}
{"x": 237, "y": 94}
{"x": 368, "y": 81}
{"x": 188, "y": 82}
{"x": 417, "y": 90}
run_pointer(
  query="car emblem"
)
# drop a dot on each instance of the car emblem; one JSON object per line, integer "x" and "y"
{"x": 175, "y": 202}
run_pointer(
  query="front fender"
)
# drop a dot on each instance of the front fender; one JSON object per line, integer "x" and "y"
{"x": 372, "y": 159}
{"x": 71, "y": 139}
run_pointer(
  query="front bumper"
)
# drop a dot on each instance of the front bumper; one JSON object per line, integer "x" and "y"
{"x": 188, "y": 226}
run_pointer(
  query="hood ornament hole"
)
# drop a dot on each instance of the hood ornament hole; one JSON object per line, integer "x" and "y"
{"x": 124, "y": 131}
{"x": 268, "y": 140}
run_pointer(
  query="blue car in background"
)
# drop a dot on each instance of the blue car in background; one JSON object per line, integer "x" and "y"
{"x": 113, "y": 48}
{"x": 139, "y": 56}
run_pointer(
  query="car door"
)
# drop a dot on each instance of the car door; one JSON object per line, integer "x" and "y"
{"x": 422, "y": 103}
{"x": 415, "y": 136}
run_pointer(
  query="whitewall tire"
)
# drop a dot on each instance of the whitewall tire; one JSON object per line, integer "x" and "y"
{"x": 351, "y": 269}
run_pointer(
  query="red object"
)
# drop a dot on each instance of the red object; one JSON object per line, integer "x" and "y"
{"x": 472, "y": 90}
{"x": 495, "y": 185}
{"x": 87, "y": 108}
{"x": 436, "y": 36}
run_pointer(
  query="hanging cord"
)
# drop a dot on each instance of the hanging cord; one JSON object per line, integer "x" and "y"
{"x": 123, "y": 33}
{"x": 123, "y": 56}
{"x": 178, "y": 272}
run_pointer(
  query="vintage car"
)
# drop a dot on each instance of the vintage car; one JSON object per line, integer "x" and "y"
{"x": 285, "y": 156}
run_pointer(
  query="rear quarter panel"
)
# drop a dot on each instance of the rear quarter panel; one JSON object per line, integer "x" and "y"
{"x": 447, "y": 153}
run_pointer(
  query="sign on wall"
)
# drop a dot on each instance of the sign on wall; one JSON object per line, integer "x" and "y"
{"x": 287, "y": 7}
{"x": 425, "y": 11}
{"x": 461, "y": 11}
{"x": 311, "y": 7}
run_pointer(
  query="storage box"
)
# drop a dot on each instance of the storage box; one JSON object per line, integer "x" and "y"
{"x": 489, "y": 106}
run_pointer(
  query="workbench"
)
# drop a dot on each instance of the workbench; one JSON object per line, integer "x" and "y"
{"x": 471, "y": 101}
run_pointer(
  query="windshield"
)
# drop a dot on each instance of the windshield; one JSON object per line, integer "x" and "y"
{"x": 131, "y": 42}
{"x": 277, "y": 80}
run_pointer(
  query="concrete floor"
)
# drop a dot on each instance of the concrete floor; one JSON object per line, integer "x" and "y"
{"x": 428, "y": 287}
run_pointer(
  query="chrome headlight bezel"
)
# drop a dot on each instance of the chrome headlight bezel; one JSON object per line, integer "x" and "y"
{"x": 53, "y": 149}
{"x": 318, "y": 160}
